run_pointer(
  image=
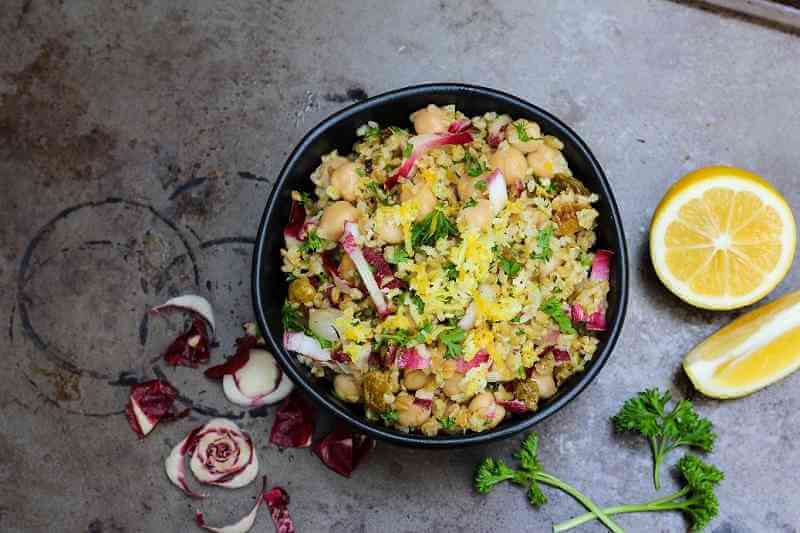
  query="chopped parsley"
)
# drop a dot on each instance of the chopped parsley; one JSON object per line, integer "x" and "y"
{"x": 396, "y": 130}
{"x": 360, "y": 172}
{"x": 453, "y": 340}
{"x": 305, "y": 199}
{"x": 543, "y": 251}
{"x": 403, "y": 337}
{"x": 475, "y": 167}
{"x": 390, "y": 417}
{"x": 451, "y": 271}
{"x": 585, "y": 260}
{"x": 291, "y": 318}
{"x": 552, "y": 308}
{"x": 509, "y": 266}
{"x": 516, "y": 320}
{"x": 398, "y": 256}
{"x": 378, "y": 192}
{"x": 418, "y": 302}
{"x": 551, "y": 188}
{"x": 480, "y": 185}
{"x": 521, "y": 133}
{"x": 448, "y": 422}
{"x": 372, "y": 131}
{"x": 313, "y": 243}
{"x": 407, "y": 149}
{"x": 430, "y": 229}
{"x": 470, "y": 203}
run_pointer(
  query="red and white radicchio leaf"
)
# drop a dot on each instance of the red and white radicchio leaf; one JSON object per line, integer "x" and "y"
{"x": 297, "y": 341}
{"x": 464, "y": 366}
{"x": 294, "y": 231}
{"x": 192, "y": 303}
{"x": 277, "y": 501}
{"x": 384, "y": 275}
{"x": 577, "y": 314}
{"x": 220, "y": 454}
{"x": 342, "y": 450}
{"x": 294, "y": 423}
{"x": 497, "y": 131}
{"x": 421, "y": 144}
{"x": 253, "y": 384}
{"x": 190, "y": 348}
{"x": 350, "y": 244}
{"x": 498, "y": 192}
{"x": 148, "y": 403}
{"x": 514, "y": 406}
{"x": 414, "y": 358}
{"x": 457, "y": 126}
{"x": 601, "y": 265}
{"x": 236, "y": 361}
{"x": 244, "y": 525}
{"x": 332, "y": 269}
{"x": 561, "y": 356}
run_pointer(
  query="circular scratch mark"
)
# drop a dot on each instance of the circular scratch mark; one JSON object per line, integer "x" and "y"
{"x": 197, "y": 406}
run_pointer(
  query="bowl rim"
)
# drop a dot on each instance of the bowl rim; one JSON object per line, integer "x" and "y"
{"x": 419, "y": 440}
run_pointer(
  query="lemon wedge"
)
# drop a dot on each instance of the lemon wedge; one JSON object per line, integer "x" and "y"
{"x": 722, "y": 238}
{"x": 751, "y": 352}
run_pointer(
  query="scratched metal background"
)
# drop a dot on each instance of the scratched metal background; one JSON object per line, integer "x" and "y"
{"x": 138, "y": 142}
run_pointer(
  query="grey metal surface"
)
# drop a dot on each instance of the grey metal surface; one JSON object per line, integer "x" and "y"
{"x": 138, "y": 141}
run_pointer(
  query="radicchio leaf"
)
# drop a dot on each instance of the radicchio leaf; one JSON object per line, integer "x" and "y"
{"x": 458, "y": 126}
{"x": 197, "y": 305}
{"x": 498, "y": 192}
{"x": 342, "y": 450}
{"x": 297, "y": 341}
{"x": 149, "y": 403}
{"x": 294, "y": 230}
{"x": 384, "y": 275}
{"x": 514, "y": 406}
{"x": 412, "y": 359}
{"x": 464, "y": 366}
{"x": 236, "y": 361}
{"x": 561, "y": 356}
{"x": 294, "y": 423}
{"x": 277, "y": 501}
{"x": 190, "y": 348}
{"x": 421, "y": 144}
{"x": 350, "y": 244}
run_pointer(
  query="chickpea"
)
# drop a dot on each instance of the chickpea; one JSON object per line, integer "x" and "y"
{"x": 331, "y": 225}
{"x": 499, "y": 415}
{"x": 482, "y": 401}
{"x": 422, "y": 193}
{"x": 414, "y": 416}
{"x": 511, "y": 163}
{"x": 546, "y": 162}
{"x": 347, "y": 269}
{"x": 546, "y": 384}
{"x": 301, "y": 291}
{"x": 533, "y": 132}
{"x": 345, "y": 180}
{"x": 415, "y": 379}
{"x": 346, "y": 388}
{"x": 389, "y": 230}
{"x": 452, "y": 386}
{"x": 431, "y": 119}
{"x": 478, "y": 216}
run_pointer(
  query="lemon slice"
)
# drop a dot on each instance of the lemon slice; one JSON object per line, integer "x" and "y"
{"x": 722, "y": 238}
{"x": 751, "y": 352}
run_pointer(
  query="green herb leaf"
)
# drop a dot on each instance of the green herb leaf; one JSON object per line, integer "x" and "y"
{"x": 418, "y": 303}
{"x": 408, "y": 149}
{"x": 430, "y": 229}
{"x": 509, "y": 266}
{"x": 390, "y": 417}
{"x": 447, "y": 422}
{"x": 313, "y": 243}
{"x": 305, "y": 199}
{"x": 398, "y": 256}
{"x": 372, "y": 131}
{"x": 475, "y": 166}
{"x": 521, "y": 133}
{"x": 552, "y": 308}
{"x": 360, "y": 172}
{"x": 453, "y": 340}
{"x": 543, "y": 251}
{"x": 470, "y": 203}
{"x": 481, "y": 185}
{"x": 451, "y": 271}
{"x": 291, "y": 318}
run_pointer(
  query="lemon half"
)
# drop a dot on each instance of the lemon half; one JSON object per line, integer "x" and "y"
{"x": 751, "y": 352}
{"x": 722, "y": 238}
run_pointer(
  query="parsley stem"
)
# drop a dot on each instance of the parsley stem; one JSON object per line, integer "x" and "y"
{"x": 596, "y": 512}
{"x": 667, "y": 503}
{"x": 657, "y": 456}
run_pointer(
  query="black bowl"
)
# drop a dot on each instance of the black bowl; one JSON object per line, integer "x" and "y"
{"x": 393, "y": 108}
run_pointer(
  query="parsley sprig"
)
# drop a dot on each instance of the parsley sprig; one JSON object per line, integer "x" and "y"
{"x": 293, "y": 320}
{"x": 313, "y": 243}
{"x": 453, "y": 340}
{"x": 543, "y": 251}
{"x": 491, "y": 472}
{"x": 430, "y": 229}
{"x": 552, "y": 308}
{"x": 646, "y": 414}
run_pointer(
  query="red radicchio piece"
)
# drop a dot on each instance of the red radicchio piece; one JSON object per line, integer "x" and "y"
{"x": 424, "y": 403}
{"x": 551, "y": 337}
{"x": 350, "y": 244}
{"x": 149, "y": 403}
{"x": 577, "y": 314}
{"x": 597, "y": 320}
{"x": 294, "y": 423}
{"x": 497, "y": 131}
{"x": 601, "y": 265}
{"x": 421, "y": 144}
{"x": 294, "y": 230}
{"x": 190, "y": 348}
{"x": 342, "y": 450}
{"x": 561, "y": 356}
{"x": 220, "y": 454}
{"x": 329, "y": 264}
{"x": 384, "y": 275}
{"x": 197, "y": 305}
{"x": 340, "y": 357}
{"x": 277, "y": 501}
{"x": 514, "y": 406}
{"x": 297, "y": 341}
{"x": 411, "y": 359}
{"x": 457, "y": 126}
{"x": 236, "y": 361}
{"x": 463, "y": 366}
